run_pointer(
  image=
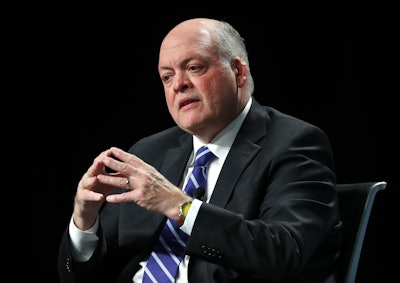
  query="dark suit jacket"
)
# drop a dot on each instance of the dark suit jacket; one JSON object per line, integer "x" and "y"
{"x": 273, "y": 215}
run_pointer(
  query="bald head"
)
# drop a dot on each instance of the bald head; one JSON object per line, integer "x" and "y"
{"x": 197, "y": 22}
{"x": 199, "y": 32}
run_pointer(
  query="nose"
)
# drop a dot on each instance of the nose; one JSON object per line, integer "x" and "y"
{"x": 181, "y": 83}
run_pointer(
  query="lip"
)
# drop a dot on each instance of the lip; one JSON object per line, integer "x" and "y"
{"x": 187, "y": 101}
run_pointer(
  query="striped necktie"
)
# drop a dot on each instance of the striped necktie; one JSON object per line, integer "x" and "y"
{"x": 169, "y": 250}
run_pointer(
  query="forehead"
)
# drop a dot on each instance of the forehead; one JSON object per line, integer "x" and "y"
{"x": 182, "y": 43}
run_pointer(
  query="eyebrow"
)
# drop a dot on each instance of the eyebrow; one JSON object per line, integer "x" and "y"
{"x": 184, "y": 62}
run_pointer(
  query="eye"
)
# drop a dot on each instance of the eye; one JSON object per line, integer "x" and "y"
{"x": 194, "y": 68}
{"x": 165, "y": 78}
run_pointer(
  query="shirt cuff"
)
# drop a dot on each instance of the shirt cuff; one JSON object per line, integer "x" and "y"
{"x": 188, "y": 224}
{"x": 83, "y": 242}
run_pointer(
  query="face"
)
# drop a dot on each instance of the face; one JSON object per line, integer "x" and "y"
{"x": 201, "y": 93}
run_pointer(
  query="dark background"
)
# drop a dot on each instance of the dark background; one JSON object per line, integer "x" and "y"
{"x": 81, "y": 79}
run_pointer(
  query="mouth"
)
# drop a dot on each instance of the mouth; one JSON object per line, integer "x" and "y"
{"x": 186, "y": 101}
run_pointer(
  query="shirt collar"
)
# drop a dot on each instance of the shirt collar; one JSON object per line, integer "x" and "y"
{"x": 221, "y": 144}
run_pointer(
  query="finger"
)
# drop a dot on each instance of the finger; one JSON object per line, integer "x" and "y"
{"x": 88, "y": 181}
{"x": 115, "y": 181}
{"x": 126, "y": 156}
{"x": 98, "y": 165}
{"x": 96, "y": 168}
{"x": 123, "y": 197}
{"x": 88, "y": 195}
{"x": 118, "y": 166}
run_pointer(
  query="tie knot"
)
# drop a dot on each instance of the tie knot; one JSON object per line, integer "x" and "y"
{"x": 203, "y": 156}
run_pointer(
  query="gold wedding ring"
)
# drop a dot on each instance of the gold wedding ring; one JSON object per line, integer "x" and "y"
{"x": 128, "y": 183}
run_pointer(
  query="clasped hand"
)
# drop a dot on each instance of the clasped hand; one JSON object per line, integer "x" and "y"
{"x": 147, "y": 187}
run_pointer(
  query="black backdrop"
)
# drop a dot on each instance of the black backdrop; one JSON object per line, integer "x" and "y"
{"x": 85, "y": 78}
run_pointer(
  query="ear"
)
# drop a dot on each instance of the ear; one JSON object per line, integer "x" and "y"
{"x": 241, "y": 71}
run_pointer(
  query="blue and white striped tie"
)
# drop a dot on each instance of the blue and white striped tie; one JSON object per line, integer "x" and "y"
{"x": 169, "y": 250}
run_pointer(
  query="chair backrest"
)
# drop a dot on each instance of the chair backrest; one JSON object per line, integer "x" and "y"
{"x": 355, "y": 201}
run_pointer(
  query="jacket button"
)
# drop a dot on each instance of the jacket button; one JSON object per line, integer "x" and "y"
{"x": 211, "y": 252}
{"x": 68, "y": 265}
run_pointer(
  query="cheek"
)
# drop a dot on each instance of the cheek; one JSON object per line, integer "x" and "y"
{"x": 169, "y": 99}
{"x": 169, "y": 96}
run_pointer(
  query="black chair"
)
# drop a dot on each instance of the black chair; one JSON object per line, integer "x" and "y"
{"x": 355, "y": 201}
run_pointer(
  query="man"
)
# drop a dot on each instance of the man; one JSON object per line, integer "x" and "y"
{"x": 269, "y": 212}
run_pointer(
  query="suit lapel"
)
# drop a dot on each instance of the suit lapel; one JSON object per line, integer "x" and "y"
{"x": 243, "y": 151}
{"x": 175, "y": 160}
